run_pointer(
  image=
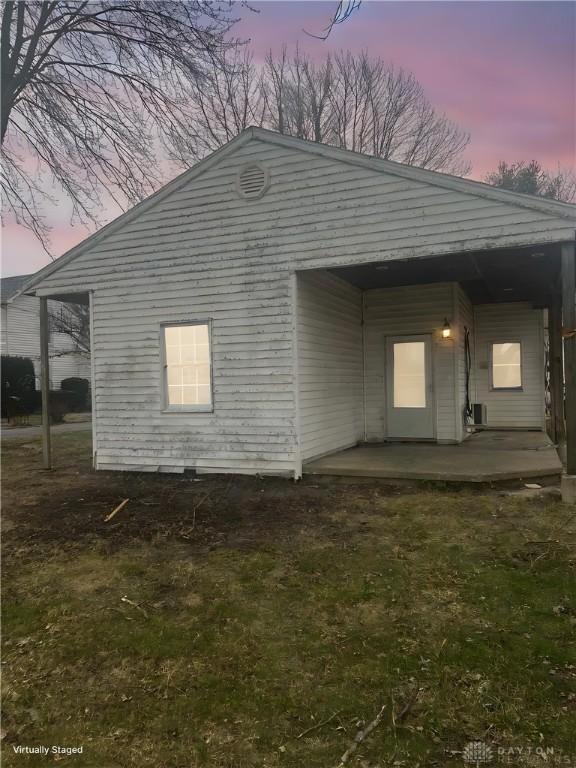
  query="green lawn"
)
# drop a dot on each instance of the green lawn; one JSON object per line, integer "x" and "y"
{"x": 211, "y": 623}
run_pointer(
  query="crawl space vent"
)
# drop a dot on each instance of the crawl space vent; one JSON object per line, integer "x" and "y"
{"x": 252, "y": 181}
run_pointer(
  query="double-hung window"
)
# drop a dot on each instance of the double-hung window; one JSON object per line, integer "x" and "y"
{"x": 187, "y": 367}
{"x": 507, "y": 365}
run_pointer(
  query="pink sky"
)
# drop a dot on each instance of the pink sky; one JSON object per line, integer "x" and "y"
{"x": 505, "y": 71}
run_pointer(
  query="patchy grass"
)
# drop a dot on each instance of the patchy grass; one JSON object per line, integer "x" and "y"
{"x": 211, "y": 622}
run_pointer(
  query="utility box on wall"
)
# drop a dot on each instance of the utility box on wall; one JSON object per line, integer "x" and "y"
{"x": 479, "y": 414}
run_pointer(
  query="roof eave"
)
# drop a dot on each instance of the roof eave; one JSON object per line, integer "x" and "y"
{"x": 553, "y": 208}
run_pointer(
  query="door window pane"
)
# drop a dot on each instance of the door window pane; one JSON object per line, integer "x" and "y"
{"x": 506, "y": 366}
{"x": 410, "y": 374}
{"x": 187, "y": 365}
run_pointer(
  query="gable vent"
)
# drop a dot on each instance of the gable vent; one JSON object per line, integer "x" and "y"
{"x": 253, "y": 180}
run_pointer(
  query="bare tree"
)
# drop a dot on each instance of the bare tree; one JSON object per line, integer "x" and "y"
{"x": 532, "y": 179}
{"x": 95, "y": 91}
{"x": 382, "y": 111}
{"x": 350, "y": 100}
{"x": 73, "y": 320}
{"x": 225, "y": 100}
{"x": 89, "y": 87}
{"x": 297, "y": 95}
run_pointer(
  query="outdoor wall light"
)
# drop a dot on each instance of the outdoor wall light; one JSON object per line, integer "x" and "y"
{"x": 446, "y": 330}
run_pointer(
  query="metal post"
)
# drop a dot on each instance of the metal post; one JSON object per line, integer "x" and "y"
{"x": 569, "y": 333}
{"x": 45, "y": 382}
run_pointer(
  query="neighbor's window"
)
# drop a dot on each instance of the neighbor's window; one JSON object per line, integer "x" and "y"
{"x": 187, "y": 377}
{"x": 506, "y": 366}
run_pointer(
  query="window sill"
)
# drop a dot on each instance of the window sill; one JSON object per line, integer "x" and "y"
{"x": 184, "y": 409}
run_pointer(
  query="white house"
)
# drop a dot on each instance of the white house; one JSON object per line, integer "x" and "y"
{"x": 19, "y": 334}
{"x": 283, "y": 300}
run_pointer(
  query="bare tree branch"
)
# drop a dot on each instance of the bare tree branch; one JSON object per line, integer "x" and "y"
{"x": 344, "y": 10}
{"x": 73, "y": 320}
{"x": 88, "y": 88}
{"x": 349, "y": 100}
{"x": 95, "y": 92}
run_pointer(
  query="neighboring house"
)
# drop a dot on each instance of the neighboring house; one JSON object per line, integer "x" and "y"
{"x": 283, "y": 300}
{"x": 20, "y": 324}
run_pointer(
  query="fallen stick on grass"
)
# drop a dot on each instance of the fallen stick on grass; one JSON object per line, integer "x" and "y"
{"x": 318, "y": 725}
{"x": 116, "y": 509}
{"x": 117, "y": 610}
{"x": 360, "y": 736}
{"x": 407, "y": 706}
{"x": 136, "y": 605}
{"x": 197, "y": 506}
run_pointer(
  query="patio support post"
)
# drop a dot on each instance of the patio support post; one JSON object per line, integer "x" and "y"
{"x": 557, "y": 427}
{"x": 569, "y": 333}
{"x": 45, "y": 382}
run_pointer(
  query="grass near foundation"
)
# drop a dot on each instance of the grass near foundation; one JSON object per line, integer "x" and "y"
{"x": 213, "y": 622}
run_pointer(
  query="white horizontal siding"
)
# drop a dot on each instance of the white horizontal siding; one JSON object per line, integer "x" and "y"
{"x": 204, "y": 252}
{"x": 406, "y": 311}
{"x": 67, "y": 365}
{"x": 252, "y": 428}
{"x": 23, "y": 328}
{"x": 497, "y": 323}
{"x": 317, "y": 212}
{"x": 4, "y": 330}
{"x": 329, "y": 317}
{"x": 21, "y": 337}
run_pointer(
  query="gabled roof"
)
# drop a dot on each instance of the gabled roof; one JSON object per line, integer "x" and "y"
{"x": 553, "y": 208}
{"x": 423, "y": 175}
{"x": 9, "y": 286}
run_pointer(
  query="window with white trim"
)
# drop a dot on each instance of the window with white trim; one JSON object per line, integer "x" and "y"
{"x": 187, "y": 367}
{"x": 507, "y": 365}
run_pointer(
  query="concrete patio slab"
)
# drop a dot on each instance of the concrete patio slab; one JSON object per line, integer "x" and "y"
{"x": 484, "y": 457}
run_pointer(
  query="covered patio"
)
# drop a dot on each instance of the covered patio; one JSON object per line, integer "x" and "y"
{"x": 488, "y": 456}
{"x": 368, "y": 410}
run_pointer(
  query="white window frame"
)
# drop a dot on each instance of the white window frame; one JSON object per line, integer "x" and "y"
{"x": 166, "y": 407}
{"x": 506, "y": 389}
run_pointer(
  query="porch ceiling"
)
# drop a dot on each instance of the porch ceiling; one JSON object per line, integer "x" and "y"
{"x": 518, "y": 274}
{"x": 70, "y": 298}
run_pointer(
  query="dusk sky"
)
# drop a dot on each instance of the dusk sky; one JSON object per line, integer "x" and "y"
{"x": 505, "y": 71}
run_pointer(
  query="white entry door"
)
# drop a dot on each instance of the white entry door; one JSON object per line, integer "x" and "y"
{"x": 410, "y": 407}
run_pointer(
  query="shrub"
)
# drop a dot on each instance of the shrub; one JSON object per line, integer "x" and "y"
{"x": 78, "y": 389}
{"x": 16, "y": 410}
{"x": 75, "y": 384}
{"x": 18, "y": 379}
{"x": 60, "y": 403}
{"x": 31, "y": 401}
